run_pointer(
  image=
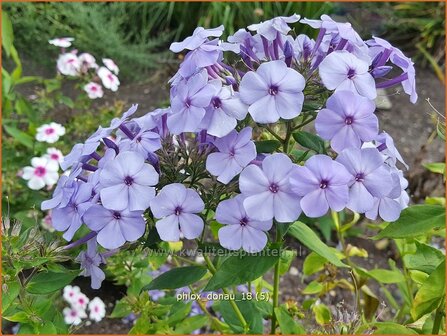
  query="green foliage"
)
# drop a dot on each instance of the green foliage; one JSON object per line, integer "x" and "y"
{"x": 177, "y": 277}
{"x": 414, "y": 221}
{"x": 310, "y": 141}
{"x": 306, "y": 236}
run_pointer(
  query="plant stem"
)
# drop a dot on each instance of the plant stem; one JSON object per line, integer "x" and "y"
{"x": 438, "y": 318}
{"x": 199, "y": 302}
{"x": 236, "y": 309}
{"x": 272, "y": 132}
{"x": 289, "y": 130}
{"x": 275, "y": 286}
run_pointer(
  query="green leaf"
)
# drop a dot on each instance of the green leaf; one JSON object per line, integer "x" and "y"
{"x": 67, "y": 101}
{"x": 47, "y": 328}
{"x": 313, "y": 288}
{"x": 267, "y": 146}
{"x": 311, "y": 141}
{"x": 48, "y": 282}
{"x": 121, "y": 309}
{"x": 191, "y": 324}
{"x": 425, "y": 259}
{"x": 249, "y": 311}
{"x": 322, "y": 314}
{"x": 386, "y": 276}
{"x": 179, "y": 311}
{"x": 286, "y": 259}
{"x": 20, "y": 136}
{"x": 7, "y": 33}
{"x": 177, "y": 277}
{"x": 305, "y": 235}
{"x": 287, "y": 324}
{"x": 430, "y": 294}
{"x": 20, "y": 317}
{"x": 236, "y": 270}
{"x": 390, "y": 328}
{"x": 9, "y": 293}
{"x": 435, "y": 167}
{"x": 313, "y": 263}
{"x": 414, "y": 221}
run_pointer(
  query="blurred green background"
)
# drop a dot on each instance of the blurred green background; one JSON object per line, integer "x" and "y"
{"x": 136, "y": 34}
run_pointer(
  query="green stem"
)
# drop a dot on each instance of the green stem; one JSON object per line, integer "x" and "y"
{"x": 272, "y": 132}
{"x": 304, "y": 123}
{"x": 289, "y": 130}
{"x": 275, "y": 287}
{"x": 438, "y": 318}
{"x": 233, "y": 304}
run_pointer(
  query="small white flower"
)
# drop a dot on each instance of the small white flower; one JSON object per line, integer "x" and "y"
{"x": 50, "y": 132}
{"x": 81, "y": 301}
{"x": 88, "y": 60}
{"x": 68, "y": 64}
{"x": 94, "y": 90}
{"x": 73, "y": 315}
{"x": 200, "y": 259}
{"x": 97, "y": 309}
{"x": 109, "y": 80}
{"x": 110, "y": 64}
{"x": 63, "y": 42}
{"x": 55, "y": 156}
{"x": 71, "y": 293}
{"x": 41, "y": 173}
{"x": 294, "y": 271}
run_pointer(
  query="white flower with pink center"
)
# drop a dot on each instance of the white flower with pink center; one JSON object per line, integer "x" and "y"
{"x": 41, "y": 174}
{"x": 68, "y": 64}
{"x": 73, "y": 315}
{"x": 88, "y": 61}
{"x": 81, "y": 301}
{"x": 111, "y": 65}
{"x": 97, "y": 309}
{"x": 109, "y": 80}
{"x": 55, "y": 156}
{"x": 94, "y": 90}
{"x": 71, "y": 293}
{"x": 63, "y": 42}
{"x": 50, "y": 132}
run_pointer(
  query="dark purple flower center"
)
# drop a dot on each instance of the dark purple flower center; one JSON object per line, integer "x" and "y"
{"x": 359, "y": 177}
{"x": 274, "y": 188}
{"x": 178, "y": 210}
{"x": 128, "y": 180}
{"x": 232, "y": 153}
{"x": 243, "y": 221}
{"x": 349, "y": 120}
{"x": 217, "y": 103}
{"x": 351, "y": 73}
{"x": 116, "y": 215}
{"x": 138, "y": 139}
{"x": 188, "y": 102}
{"x": 324, "y": 184}
{"x": 273, "y": 90}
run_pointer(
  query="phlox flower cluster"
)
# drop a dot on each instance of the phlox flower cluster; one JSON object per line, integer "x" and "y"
{"x": 85, "y": 67}
{"x": 175, "y": 170}
{"x": 80, "y": 305}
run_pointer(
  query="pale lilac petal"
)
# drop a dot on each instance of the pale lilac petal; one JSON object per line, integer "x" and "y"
{"x": 252, "y": 180}
{"x": 328, "y": 123}
{"x": 286, "y": 207}
{"x": 111, "y": 236}
{"x": 252, "y": 88}
{"x": 193, "y": 203}
{"x": 264, "y": 110}
{"x": 191, "y": 225}
{"x": 360, "y": 199}
{"x": 115, "y": 197}
{"x": 168, "y": 228}
{"x": 134, "y": 227}
{"x": 253, "y": 240}
{"x": 389, "y": 210}
{"x": 345, "y": 138}
{"x": 315, "y": 204}
{"x": 302, "y": 181}
{"x": 276, "y": 167}
{"x": 230, "y": 237}
{"x": 379, "y": 182}
{"x": 140, "y": 197}
{"x": 252, "y": 205}
{"x": 337, "y": 197}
